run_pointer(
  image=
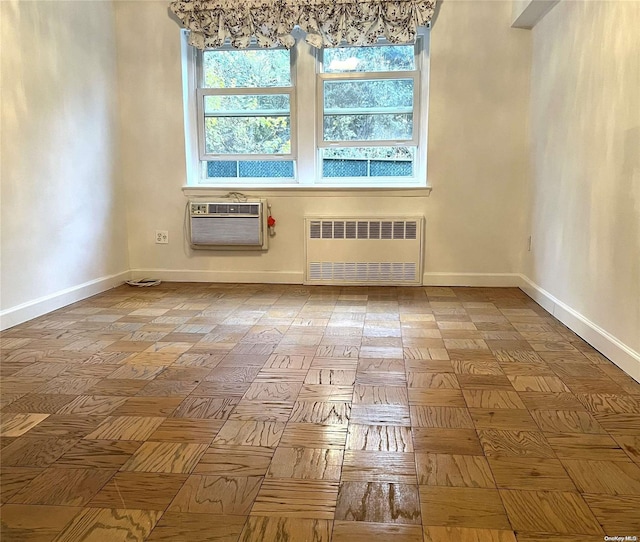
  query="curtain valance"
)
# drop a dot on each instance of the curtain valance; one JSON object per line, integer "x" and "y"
{"x": 327, "y": 23}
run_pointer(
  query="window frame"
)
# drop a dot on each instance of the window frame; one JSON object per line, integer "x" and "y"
{"x": 306, "y": 123}
{"x": 202, "y": 92}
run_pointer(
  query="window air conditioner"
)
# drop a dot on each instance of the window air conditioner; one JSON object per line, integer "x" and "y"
{"x": 225, "y": 225}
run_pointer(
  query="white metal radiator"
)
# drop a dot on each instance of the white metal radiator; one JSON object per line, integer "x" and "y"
{"x": 228, "y": 225}
{"x": 364, "y": 250}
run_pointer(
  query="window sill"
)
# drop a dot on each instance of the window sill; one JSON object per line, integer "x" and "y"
{"x": 299, "y": 191}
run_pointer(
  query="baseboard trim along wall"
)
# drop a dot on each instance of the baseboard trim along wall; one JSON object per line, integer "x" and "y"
{"x": 32, "y": 309}
{"x": 619, "y": 353}
{"x": 244, "y": 277}
{"x": 497, "y": 280}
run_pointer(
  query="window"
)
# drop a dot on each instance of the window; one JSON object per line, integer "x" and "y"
{"x": 346, "y": 116}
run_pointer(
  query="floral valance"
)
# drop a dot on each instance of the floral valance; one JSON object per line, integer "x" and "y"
{"x": 326, "y": 23}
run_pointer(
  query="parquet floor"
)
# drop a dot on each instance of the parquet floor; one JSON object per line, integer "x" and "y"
{"x": 192, "y": 412}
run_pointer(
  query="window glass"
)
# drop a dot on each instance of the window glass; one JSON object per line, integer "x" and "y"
{"x": 246, "y": 68}
{"x": 382, "y": 58}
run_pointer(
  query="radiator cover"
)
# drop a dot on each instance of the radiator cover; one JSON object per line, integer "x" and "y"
{"x": 364, "y": 250}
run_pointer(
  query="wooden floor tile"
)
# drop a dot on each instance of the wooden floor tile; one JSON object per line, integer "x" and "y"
{"x": 533, "y": 473}
{"x": 148, "y": 406}
{"x": 311, "y": 499}
{"x": 321, "y": 412}
{"x": 363, "y": 466}
{"x": 436, "y": 416}
{"x": 228, "y": 495}
{"x": 362, "y": 414}
{"x": 361, "y": 531}
{"x": 63, "y": 487}
{"x": 99, "y": 524}
{"x": 453, "y": 470}
{"x": 35, "y": 452}
{"x": 326, "y": 393}
{"x": 446, "y": 441}
{"x": 15, "y": 425}
{"x": 263, "y": 529}
{"x": 616, "y": 513}
{"x": 602, "y": 402}
{"x": 65, "y": 426}
{"x": 31, "y": 523}
{"x": 380, "y": 395}
{"x": 502, "y": 419}
{"x": 585, "y": 446}
{"x": 174, "y": 526}
{"x": 98, "y": 454}
{"x": 200, "y": 431}
{"x": 92, "y": 405}
{"x": 378, "y": 502}
{"x": 549, "y": 512}
{"x": 631, "y": 445}
{"x": 311, "y": 435}
{"x": 13, "y": 479}
{"x": 381, "y": 438}
{"x": 126, "y": 428}
{"x": 331, "y": 377}
{"x": 432, "y": 380}
{"x": 484, "y": 382}
{"x": 463, "y": 507}
{"x": 118, "y": 387}
{"x": 436, "y": 397}
{"x": 169, "y": 457}
{"x": 273, "y": 391}
{"x": 38, "y": 403}
{"x": 261, "y": 411}
{"x": 551, "y": 401}
{"x": 619, "y": 424}
{"x": 205, "y": 407}
{"x": 250, "y": 433}
{"x": 493, "y": 399}
{"x": 566, "y": 421}
{"x": 465, "y": 534}
{"x": 515, "y": 443}
{"x": 607, "y": 477}
{"x": 306, "y": 463}
{"x": 548, "y": 537}
{"x": 130, "y": 371}
{"x": 546, "y": 384}
{"x": 233, "y": 460}
{"x": 139, "y": 490}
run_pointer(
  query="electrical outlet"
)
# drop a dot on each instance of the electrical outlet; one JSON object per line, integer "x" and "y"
{"x": 162, "y": 237}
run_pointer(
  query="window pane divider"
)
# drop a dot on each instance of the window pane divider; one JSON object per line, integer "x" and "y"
{"x": 250, "y": 91}
{"x": 247, "y": 157}
{"x": 254, "y": 113}
{"x": 336, "y": 111}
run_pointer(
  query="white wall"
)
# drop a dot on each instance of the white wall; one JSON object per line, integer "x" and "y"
{"x": 477, "y": 154}
{"x": 62, "y": 209}
{"x": 585, "y": 196}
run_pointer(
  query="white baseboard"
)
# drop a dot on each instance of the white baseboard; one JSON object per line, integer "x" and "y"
{"x": 619, "y": 353}
{"x": 32, "y": 309}
{"x": 503, "y": 280}
{"x": 246, "y": 277}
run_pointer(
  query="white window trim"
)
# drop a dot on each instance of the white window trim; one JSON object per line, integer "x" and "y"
{"x": 305, "y": 141}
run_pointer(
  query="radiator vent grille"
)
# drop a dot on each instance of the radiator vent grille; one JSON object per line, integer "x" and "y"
{"x": 363, "y": 229}
{"x": 364, "y": 250}
{"x": 363, "y": 272}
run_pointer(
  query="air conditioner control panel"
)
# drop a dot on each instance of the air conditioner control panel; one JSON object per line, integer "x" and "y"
{"x": 225, "y": 209}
